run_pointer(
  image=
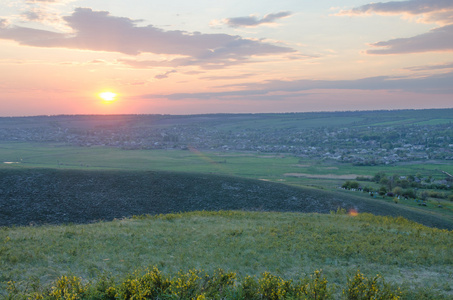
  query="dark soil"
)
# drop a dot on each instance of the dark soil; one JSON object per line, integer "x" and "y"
{"x": 48, "y": 196}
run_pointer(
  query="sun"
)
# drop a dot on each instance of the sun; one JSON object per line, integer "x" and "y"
{"x": 108, "y": 96}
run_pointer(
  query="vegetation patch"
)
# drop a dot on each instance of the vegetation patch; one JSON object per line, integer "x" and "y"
{"x": 196, "y": 284}
{"x": 278, "y": 251}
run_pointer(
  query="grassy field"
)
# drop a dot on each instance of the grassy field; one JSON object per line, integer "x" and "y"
{"x": 249, "y": 165}
{"x": 290, "y": 245}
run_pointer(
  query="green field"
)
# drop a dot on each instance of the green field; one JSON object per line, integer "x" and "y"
{"x": 289, "y": 245}
{"x": 250, "y": 165}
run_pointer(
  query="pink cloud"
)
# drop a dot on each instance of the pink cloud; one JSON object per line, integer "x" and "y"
{"x": 276, "y": 90}
{"x": 441, "y": 8}
{"x": 99, "y": 31}
{"x": 432, "y": 67}
{"x": 438, "y": 39}
{"x": 431, "y": 11}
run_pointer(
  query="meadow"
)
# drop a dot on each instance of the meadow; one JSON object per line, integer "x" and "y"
{"x": 291, "y": 246}
{"x": 243, "y": 164}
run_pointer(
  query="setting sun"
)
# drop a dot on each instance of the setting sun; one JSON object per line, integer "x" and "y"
{"x": 108, "y": 96}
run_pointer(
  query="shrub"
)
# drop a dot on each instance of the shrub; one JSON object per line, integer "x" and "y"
{"x": 409, "y": 193}
{"x": 397, "y": 190}
{"x": 314, "y": 288}
{"x": 68, "y": 288}
{"x": 362, "y": 178}
{"x": 217, "y": 285}
{"x": 272, "y": 287}
{"x": 382, "y": 191}
{"x": 350, "y": 185}
{"x": 362, "y": 288}
{"x": 248, "y": 289}
{"x": 435, "y": 194}
{"x": 186, "y": 286}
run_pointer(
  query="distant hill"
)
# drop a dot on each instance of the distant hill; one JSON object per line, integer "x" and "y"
{"x": 41, "y": 196}
{"x": 234, "y": 121}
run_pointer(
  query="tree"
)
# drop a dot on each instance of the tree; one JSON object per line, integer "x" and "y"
{"x": 378, "y": 176}
{"x": 404, "y": 183}
{"x": 409, "y": 193}
{"x": 397, "y": 190}
{"x": 382, "y": 190}
{"x": 350, "y": 185}
{"x": 424, "y": 195}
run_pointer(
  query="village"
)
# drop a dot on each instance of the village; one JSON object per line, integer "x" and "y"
{"x": 359, "y": 145}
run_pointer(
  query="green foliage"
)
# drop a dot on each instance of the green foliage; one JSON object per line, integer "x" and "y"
{"x": 147, "y": 286}
{"x": 409, "y": 193}
{"x": 314, "y": 288}
{"x": 397, "y": 190}
{"x": 362, "y": 288}
{"x": 194, "y": 284}
{"x": 272, "y": 287}
{"x": 436, "y": 194}
{"x": 68, "y": 288}
{"x": 350, "y": 185}
{"x": 382, "y": 190}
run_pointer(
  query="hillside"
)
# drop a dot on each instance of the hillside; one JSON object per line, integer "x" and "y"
{"x": 42, "y": 196}
{"x": 289, "y": 245}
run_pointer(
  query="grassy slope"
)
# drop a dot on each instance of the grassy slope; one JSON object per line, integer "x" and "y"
{"x": 287, "y": 244}
{"x": 62, "y": 196}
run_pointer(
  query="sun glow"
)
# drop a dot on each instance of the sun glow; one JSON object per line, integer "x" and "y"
{"x": 108, "y": 96}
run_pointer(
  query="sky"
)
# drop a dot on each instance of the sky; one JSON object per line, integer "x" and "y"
{"x": 204, "y": 56}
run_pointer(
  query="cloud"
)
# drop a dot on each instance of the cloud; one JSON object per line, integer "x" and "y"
{"x": 433, "y": 10}
{"x": 410, "y": 6}
{"x": 234, "y": 77}
{"x": 276, "y": 89}
{"x": 438, "y": 39}
{"x": 428, "y": 11}
{"x": 164, "y": 75}
{"x": 206, "y": 64}
{"x": 41, "y": 15}
{"x": 99, "y": 31}
{"x": 253, "y": 21}
{"x": 46, "y": 12}
{"x": 432, "y": 67}
{"x": 3, "y": 23}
